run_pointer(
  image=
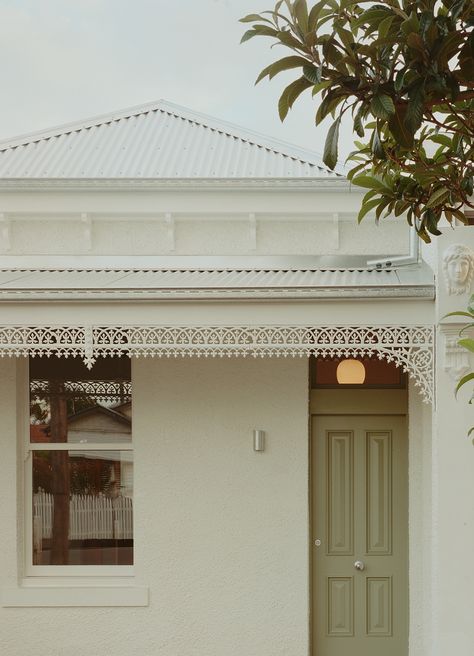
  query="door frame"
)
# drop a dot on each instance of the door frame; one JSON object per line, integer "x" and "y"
{"x": 363, "y": 401}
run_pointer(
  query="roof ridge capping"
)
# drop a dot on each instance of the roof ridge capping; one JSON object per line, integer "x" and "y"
{"x": 229, "y": 129}
{"x": 76, "y": 126}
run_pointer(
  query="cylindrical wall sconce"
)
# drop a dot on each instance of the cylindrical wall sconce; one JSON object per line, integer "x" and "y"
{"x": 259, "y": 440}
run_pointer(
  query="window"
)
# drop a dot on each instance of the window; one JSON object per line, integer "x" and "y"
{"x": 79, "y": 469}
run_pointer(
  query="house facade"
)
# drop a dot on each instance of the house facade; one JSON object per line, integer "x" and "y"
{"x": 228, "y": 412}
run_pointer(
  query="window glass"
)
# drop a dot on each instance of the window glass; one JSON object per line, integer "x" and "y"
{"x": 82, "y": 462}
{"x": 69, "y": 403}
{"x": 82, "y": 508}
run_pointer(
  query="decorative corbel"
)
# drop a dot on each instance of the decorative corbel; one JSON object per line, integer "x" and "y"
{"x": 5, "y": 233}
{"x": 170, "y": 232}
{"x": 336, "y": 230}
{"x": 252, "y": 232}
{"x": 456, "y": 358}
{"x": 86, "y": 222}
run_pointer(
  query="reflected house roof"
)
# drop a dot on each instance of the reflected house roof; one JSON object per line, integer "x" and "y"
{"x": 110, "y": 413}
{"x": 40, "y": 433}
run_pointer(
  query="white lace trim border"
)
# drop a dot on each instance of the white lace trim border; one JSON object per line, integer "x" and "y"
{"x": 409, "y": 347}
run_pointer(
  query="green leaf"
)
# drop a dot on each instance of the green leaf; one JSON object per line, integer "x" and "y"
{"x": 301, "y": 14}
{"x": 354, "y": 170}
{"x": 382, "y": 106}
{"x": 442, "y": 139}
{"x": 376, "y": 144}
{"x": 329, "y": 103}
{"x": 415, "y": 42}
{"x": 249, "y": 34}
{"x": 252, "y": 18}
{"x": 399, "y": 80}
{"x": 438, "y": 197}
{"x": 280, "y": 65}
{"x": 319, "y": 87}
{"x": 290, "y": 94}
{"x": 366, "y": 208}
{"x": 463, "y": 381}
{"x": 288, "y": 39}
{"x": 467, "y": 344}
{"x": 397, "y": 127}
{"x": 371, "y": 17}
{"x": 314, "y": 15}
{"x": 369, "y": 182}
{"x": 313, "y": 73}
{"x": 382, "y": 206}
{"x": 414, "y": 114}
{"x": 358, "y": 126}
{"x": 330, "y": 147}
{"x": 459, "y": 314}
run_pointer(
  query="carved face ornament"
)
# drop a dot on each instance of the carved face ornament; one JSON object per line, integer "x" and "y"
{"x": 458, "y": 266}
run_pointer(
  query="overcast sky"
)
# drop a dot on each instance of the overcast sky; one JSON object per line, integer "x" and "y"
{"x": 65, "y": 60}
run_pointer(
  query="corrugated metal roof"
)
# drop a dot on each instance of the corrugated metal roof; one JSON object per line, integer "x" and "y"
{"x": 21, "y": 284}
{"x": 155, "y": 141}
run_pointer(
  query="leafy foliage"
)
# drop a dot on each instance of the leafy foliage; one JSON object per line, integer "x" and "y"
{"x": 468, "y": 344}
{"x": 404, "y": 70}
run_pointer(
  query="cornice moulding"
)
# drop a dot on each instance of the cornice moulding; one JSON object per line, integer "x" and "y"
{"x": 424, "y": 292}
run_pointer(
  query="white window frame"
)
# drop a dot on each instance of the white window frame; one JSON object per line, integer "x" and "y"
{"x": 31, "y": 571}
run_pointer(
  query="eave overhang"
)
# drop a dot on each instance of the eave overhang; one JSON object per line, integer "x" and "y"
{"x": 46, "y": 284}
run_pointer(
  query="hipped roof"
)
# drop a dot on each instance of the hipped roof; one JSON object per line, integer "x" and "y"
{"x": 159, "y": 140}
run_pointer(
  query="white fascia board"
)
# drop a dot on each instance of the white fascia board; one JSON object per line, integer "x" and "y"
{"x": 191, "y": 184}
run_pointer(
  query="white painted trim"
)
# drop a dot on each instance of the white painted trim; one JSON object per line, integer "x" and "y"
{"x": 191, "y": 184}
{"x": 196, "y": 262}
{"x": 27, "y": 447}
{"x": 82, "y": 571}
{"x": 80, "y": 446}
{"x": 414, "y": 292}
{"x": 49, "y": 597}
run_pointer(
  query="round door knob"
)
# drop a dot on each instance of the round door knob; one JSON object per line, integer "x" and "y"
{"x": 359, "y": 565}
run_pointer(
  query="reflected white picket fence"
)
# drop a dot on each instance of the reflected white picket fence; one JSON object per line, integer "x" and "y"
{"x": 91, "y": 517}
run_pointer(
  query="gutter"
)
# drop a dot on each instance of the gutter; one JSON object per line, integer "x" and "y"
{"x": 400, "y": 260}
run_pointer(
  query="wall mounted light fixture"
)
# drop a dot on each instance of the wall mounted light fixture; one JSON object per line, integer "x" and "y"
{"x": 259, "y": 440}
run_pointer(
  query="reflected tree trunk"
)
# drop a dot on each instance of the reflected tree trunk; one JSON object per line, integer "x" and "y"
{"x": 60, "y": 476}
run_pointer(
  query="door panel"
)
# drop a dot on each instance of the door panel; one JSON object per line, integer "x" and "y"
{"x": 359, "y": 508}
{"x": 379, "y": 492}
{"x": 340, "y": 493}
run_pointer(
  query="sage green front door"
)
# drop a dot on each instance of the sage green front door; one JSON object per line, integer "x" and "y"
{"x": 360, "y": 535}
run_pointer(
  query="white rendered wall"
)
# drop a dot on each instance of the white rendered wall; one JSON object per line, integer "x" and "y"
{"x": 420, "y": 524}
{"x": 453, "y": 470}
{"x": 221, "y": 531}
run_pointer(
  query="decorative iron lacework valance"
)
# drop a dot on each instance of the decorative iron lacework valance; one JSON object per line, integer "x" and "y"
{"x": 410, "y": 347}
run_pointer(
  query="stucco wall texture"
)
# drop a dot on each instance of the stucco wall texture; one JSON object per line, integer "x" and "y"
{"x": 221, "y": 531}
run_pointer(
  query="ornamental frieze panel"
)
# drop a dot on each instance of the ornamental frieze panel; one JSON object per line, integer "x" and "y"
{"x": 409, "y": 347}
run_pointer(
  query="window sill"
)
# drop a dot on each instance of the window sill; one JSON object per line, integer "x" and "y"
{"x": 54, "y": 595}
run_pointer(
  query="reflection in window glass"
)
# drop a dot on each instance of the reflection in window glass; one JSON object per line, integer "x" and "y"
{"x": 82, "y": 498}
{"x": 82, "y": 508}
